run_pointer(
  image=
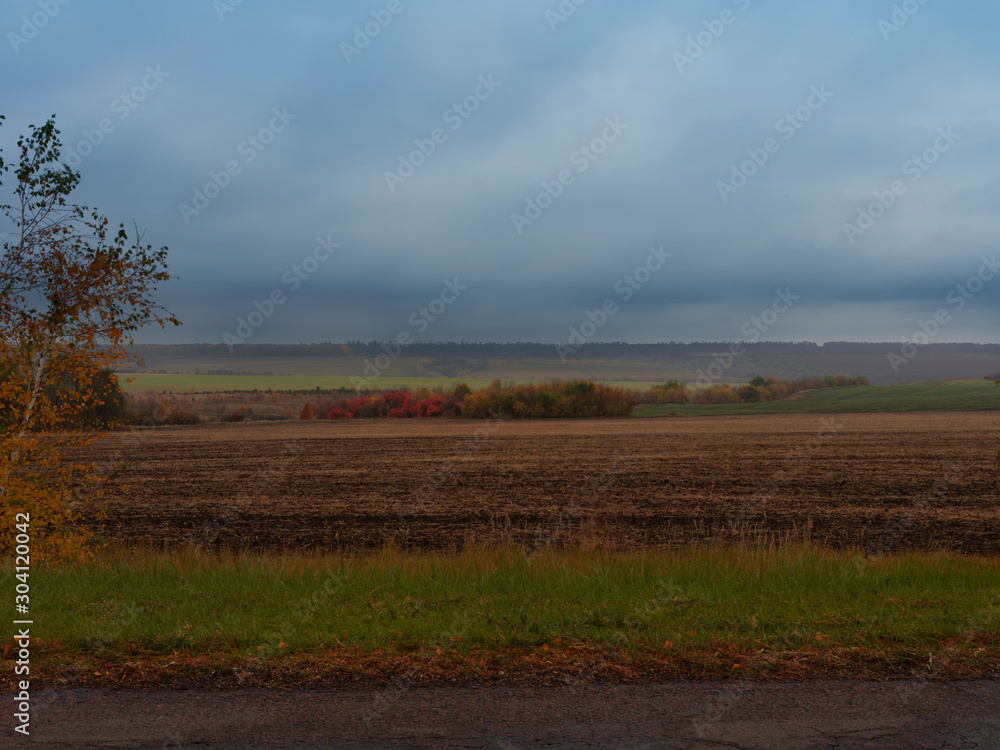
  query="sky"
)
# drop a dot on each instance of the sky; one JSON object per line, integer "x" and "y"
{"x": 520, "y": 171}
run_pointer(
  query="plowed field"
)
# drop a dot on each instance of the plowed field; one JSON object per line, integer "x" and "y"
{"x": 877, "y": 481}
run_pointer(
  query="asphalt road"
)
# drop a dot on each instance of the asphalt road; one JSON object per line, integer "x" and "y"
{"x": 785, "y": 715}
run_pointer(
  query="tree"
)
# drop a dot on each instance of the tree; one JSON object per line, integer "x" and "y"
{"x": 72, "y": 292}
{"x": 100, "y": 402}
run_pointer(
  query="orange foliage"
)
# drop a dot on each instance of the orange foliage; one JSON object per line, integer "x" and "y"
{"x": 574, "y": 398}
{"x": 72, "y": 291}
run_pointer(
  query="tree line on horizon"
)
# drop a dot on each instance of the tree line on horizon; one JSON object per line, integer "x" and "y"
{"x": 494, "y": 350}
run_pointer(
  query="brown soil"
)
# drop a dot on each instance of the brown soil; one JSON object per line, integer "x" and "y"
{"x": 876, "y": 481}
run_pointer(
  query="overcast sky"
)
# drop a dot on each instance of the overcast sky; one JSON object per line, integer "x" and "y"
{"x": 530, "y": 154}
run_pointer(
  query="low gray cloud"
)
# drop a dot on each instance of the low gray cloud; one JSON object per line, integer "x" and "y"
{"x": 707, "y": 96}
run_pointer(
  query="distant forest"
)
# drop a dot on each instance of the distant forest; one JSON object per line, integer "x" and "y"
{"x": 613, "y": 350}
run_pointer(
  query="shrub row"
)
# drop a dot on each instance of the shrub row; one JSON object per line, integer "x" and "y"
{"x": 573, "y": 398}
{"x": 759, "y": 389}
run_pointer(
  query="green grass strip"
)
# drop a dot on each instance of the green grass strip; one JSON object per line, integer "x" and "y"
{"x": 955, "y": 395}
{"x": 778, "y": 597}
